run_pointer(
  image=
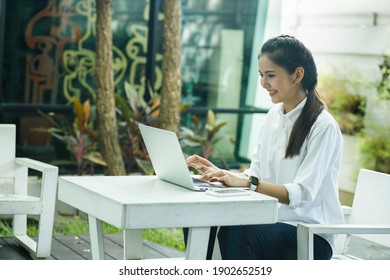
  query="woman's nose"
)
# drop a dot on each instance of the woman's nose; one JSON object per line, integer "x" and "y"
{"x": 263, "y": 82}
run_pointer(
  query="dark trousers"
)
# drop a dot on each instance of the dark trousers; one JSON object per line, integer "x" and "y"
{"x": 266, "y": 242}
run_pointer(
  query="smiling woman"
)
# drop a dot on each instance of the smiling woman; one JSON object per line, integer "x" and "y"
{"x": 296, "y": 159}
{"x": 281, "y": 85}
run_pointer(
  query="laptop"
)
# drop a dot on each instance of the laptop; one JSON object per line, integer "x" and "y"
{"x": 168, "y": 160}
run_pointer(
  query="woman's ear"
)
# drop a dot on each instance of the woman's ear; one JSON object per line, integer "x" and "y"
{"x": 298, "y": 75}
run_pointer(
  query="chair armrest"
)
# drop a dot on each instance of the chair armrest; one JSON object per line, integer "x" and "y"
{"x": 49, "y": 176}
{"x": 347, "y": 210}
{"x": 305, "y": 233}
{"x": 35, "y": 164}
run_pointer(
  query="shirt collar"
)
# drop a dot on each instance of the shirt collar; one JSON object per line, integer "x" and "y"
{"x": 294, "y": 113}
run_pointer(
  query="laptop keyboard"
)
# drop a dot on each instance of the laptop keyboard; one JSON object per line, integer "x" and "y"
{"x": 200, "y": 183}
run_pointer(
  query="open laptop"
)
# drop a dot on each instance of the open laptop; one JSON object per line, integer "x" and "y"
{"x": 168, "y": 160}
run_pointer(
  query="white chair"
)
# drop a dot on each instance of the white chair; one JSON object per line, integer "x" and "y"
{"x": 368, "y": 219}
{"x": 18, "y": 202}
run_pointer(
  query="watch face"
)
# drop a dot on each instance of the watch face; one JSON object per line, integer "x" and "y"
{"x": 254, "y": 180}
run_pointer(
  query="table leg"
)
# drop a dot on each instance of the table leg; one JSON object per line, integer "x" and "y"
{"x": 97, "y": 239}
{"x": 198, "y": 239}
{"x": 132, "y": 245}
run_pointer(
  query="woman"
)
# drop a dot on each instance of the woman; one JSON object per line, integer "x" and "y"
{"x": 296, "y": 160}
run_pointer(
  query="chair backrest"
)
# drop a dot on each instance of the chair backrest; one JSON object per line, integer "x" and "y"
{"x": 371, "y": 203}
{"x": 7, "y": 150}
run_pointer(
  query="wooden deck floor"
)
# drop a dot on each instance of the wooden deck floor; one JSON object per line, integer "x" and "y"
{"x": 78, "y": 247}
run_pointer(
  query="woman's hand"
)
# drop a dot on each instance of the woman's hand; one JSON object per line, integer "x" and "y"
{"x": 212, "y": 173}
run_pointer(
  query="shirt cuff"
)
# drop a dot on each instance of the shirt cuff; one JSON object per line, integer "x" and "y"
{"x": 294, "y": 194}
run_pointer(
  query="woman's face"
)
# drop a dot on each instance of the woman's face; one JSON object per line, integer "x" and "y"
{"x": 281, "y": 86}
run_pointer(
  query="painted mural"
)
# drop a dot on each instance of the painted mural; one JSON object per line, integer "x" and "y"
{"x": 61, "y": 63}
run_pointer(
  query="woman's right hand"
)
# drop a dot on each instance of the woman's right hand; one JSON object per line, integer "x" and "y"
{"x": 201, "y": 164}
{"x": 210, "y": 172}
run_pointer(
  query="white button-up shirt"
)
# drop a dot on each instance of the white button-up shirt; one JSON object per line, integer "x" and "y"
{"x": 311, "y": 177}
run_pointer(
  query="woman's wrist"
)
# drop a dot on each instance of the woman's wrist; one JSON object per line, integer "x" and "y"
{"x": 254, "y": 183}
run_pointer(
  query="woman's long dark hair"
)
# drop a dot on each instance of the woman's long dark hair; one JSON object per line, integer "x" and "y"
{"x": 289, "y": 53}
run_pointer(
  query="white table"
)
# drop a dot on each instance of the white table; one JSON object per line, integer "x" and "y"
{"x": 133, "y": 203}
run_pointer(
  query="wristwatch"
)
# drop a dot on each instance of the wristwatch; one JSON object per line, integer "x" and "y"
{"x": 253, "y": 183}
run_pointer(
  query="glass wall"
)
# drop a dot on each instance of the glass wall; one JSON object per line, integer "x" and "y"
{"x": 49, "y": 57}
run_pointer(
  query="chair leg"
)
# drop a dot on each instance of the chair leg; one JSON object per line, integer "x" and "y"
{"x": 20, "y": 224}
{"x": 42, "y": 247}
{"x": 305, "y": 243}
{"x": 46, "y": 219}
{"x": 45, "y": 234}
{"x": 20, "y": 233}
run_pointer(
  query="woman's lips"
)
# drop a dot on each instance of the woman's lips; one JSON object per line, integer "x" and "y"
{"x": 272, "y": 92}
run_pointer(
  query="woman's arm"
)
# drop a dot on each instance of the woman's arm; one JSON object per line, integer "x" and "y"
{"x": 275, "y": 190}
{"x": 233, "y": 179}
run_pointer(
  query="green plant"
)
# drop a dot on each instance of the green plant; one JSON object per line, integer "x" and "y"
{"x": 170, "y": 237}
{"x": 132, "y": 110}
{"x": 79, "y": 136}
{"x": 384, "y": 85}
{"x": 376, "y": 152}
{"x": 6, "y": 229}
{"x": 201, "y": 136}
{"x": 344, "y": 102}
{"x": 375, "y": 145}
{"x": 77, "y": 225}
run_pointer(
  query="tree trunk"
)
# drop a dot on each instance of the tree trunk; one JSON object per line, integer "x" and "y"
{"x": 171, "y": 85}
{"x": 105, "y": 100}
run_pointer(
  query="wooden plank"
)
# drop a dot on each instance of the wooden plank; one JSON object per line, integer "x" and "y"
{"x": 77, "y": 244}
{"x": 60, "y": 251}
{"x": 78, "y": 247}
{"x": 166, "y": 251}
{"x": 9, "y": 250}
{"x": 112, "y": 249}
{"x": 71, "y": 247}
{"x": 151, "y": 250}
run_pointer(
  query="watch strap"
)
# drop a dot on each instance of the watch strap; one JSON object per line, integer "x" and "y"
{"x": 252, "y": 187}
{"x": 253, "y": 183}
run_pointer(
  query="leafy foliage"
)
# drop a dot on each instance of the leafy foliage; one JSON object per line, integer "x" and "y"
{"x": 201, "y": 136}
{"x": 384, "y": 85}
{"x": 375, "y": 146}
{"x": 131, "y": 111}
{"x": 344, "y": 102}
{"x": 79, "y": 136}
{"x": 81, "y": 139}
{"x": 376, "y": 152}
{"x": 77, "y": 225}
